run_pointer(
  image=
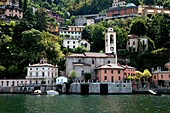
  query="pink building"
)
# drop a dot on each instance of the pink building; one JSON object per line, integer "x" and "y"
{"x": 114, "y": 73}
{"x": 162, "y": 78}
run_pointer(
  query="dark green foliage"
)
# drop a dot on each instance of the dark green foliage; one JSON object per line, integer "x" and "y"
{"x": 87, "y": 76}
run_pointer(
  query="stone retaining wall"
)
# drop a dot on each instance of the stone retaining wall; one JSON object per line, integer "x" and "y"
{"x": 94, "y": 88}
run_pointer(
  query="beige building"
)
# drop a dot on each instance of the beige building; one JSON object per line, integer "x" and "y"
{"x": 144, "y": 10}
{"x": 88, "y": 62}
{"x": 73, "y": 32}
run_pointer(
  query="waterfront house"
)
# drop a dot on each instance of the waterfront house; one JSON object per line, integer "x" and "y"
{"x": 42, "y": 73}
{"x": 37, "y": 74}
{"x": 114, "y": 72}
{"x": 88, "y": 62}
{"x": 162, "y": 77}
{"x": 110, "y": 73}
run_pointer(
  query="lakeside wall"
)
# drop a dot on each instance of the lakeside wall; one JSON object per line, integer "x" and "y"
{"x": 101, "y": 88}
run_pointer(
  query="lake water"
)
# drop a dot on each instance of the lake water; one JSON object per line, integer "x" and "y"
{"x": 10, "y": 103}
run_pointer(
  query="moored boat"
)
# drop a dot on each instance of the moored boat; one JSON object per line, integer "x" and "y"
{"x": 52, "y": 92}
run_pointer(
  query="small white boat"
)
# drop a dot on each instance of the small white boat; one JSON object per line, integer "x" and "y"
{"x": 52, "y": 92}
{"x": 36, "y": 92}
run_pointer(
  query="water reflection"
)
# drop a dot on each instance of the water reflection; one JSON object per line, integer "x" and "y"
{"x": 84, "y": 104}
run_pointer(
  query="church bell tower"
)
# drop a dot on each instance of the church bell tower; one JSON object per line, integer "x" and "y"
{"x": 110, "y": 41}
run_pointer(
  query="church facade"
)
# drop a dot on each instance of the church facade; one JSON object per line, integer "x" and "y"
{"x": 88, "y": 62}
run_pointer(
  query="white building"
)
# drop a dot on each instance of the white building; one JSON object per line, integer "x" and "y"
{"x": 118, "y": 3}
{"x": 61, "y": 80}
{"x": 74, "y": 43}
{"x": 72, "y": 32}
{"x": 133, "y": 43}
{"x": 41, "y": 72}
{"x": 88, "y": 62}
{"x": 36, "y": 74}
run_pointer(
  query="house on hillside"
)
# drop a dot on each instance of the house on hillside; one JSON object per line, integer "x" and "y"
{"x": 133, "y": 42}
{"x": 120, "y": 10}
{"x": 72, "y": 43}
{"x": 72, "y": 32}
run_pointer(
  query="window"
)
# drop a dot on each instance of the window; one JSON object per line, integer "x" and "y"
{"x": 73, "y": 46}
{"x": 79, "y": 60}
{"x": 105, "y": 71}
{"x": 7, "y": 83}
{"x": 2, "y": 82}
{"x": 119, "y": 77}
{"x": 82, "y": 72}
{"x": 36, "y": 68}
{"x": 30, "y": 68}
{"x": 154, "y": 77}
{"x": 36, "y": 74}
{"x": 118, "y": 71}
{"x": 112, "y": 71}
{"x": 43, "y": 74}
{"x": 67, "y": 42}
{"x": 111, "y": 39}
{"x": 161, "y": 76}
{"x": 133, "y": 43}
{"x": 92, "y": 61}
{"x": 109, "y": 62}
{"x": 42, "y": 68}
{"x": 30, "y": 74}
{"x": 123, "y": 85}
{"x": 105, "y": 77}
{"x": 73, "y": 42}
{"x": 112, "y": 79}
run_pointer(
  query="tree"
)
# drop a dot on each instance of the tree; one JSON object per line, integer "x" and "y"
{"x": 2, "y": 70}
{"x": 73, "y": 74}
{"x": 147, "y": 74}
{"x": 87, "y": 76}
{"x": 40, "y": 19}
{"x": 138, "y": 27}
{"x": 121, "y": 37}
{"x": 97, "y": 37}
{"x": 138, "y": 74}
{"x": 80, "y": 49}
{"x": 13, "y": 70}
{"x": 46, "y": 5}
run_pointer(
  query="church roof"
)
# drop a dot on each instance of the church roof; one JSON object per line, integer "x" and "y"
{"x": 92, "y": 54}
{"x": 111, "y": 66}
